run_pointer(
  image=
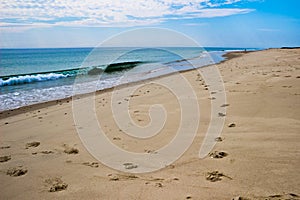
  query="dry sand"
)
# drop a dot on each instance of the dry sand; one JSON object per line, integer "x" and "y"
{"x": 257, "y": 156}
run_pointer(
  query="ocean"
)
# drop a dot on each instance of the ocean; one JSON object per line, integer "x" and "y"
{"x": 31, "y": 76}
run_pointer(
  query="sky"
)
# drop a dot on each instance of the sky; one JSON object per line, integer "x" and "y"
{"x": 87, "y": 23}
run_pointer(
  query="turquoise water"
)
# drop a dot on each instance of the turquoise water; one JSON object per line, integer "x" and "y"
{"x": 30, "y": 76}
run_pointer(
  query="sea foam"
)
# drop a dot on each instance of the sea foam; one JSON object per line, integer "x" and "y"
{"x": 31, "y": 78}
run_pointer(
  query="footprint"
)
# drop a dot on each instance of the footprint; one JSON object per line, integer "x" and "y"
{"x": 240, "y": 198}
{"x": 150, "y": 151}
{"x": 215, "y": 176}
{"x": 231, "y": 125}
{"x": 116, "y": 138}
{"x": 120, "y": 177}
{"x": 134, "y": 95}
{"x": 158, "y": 185}
{"x": 16, "y": 171}
{"x": 289, "y": 196}
{"x": 158, "y": 182}
{"x": 130, "y": 166}
{"x": 70, "y": 150}
{"x": 5, "y": 158}
{"x": 91, "y": 164}
{"x": 218, "y": 154}
{"x": 282, "y": 196}
{"x": 46, "y": 152}
{"x": 43, "y": 152}
{"x": 225, "y": 105}
{"x": 5, "y": 147}
{"x": 221, "y": 114}
{"x": 56, "y": 184}
{"x": 32, "y": 144}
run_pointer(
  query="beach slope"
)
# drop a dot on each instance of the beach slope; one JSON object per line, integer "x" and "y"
{"x": 256, "y": 157}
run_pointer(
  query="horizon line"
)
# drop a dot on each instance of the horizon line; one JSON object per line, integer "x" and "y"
{"x": 90, "y": 47}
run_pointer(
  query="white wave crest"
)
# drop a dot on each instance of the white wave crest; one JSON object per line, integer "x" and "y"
{"x": 31, "y": 78}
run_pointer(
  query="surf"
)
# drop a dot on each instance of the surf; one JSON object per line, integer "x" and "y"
{"x": 54, "y": 75}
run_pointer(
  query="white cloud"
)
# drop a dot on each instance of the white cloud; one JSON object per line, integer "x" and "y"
{"x": 104, "y": 13}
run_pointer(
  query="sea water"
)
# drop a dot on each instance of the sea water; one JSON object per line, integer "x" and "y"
{"x": 30, "y": 76}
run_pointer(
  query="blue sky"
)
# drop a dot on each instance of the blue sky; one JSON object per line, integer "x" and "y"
{"x": 78, "y": 23}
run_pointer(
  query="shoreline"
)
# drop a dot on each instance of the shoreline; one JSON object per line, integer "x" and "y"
{"x": 11, "y": 112}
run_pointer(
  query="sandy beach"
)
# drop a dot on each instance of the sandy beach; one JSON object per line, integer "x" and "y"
{"x": 256, "y": 157}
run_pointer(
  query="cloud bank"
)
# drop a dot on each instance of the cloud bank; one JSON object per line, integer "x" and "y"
{"x": 113, "y": 13}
